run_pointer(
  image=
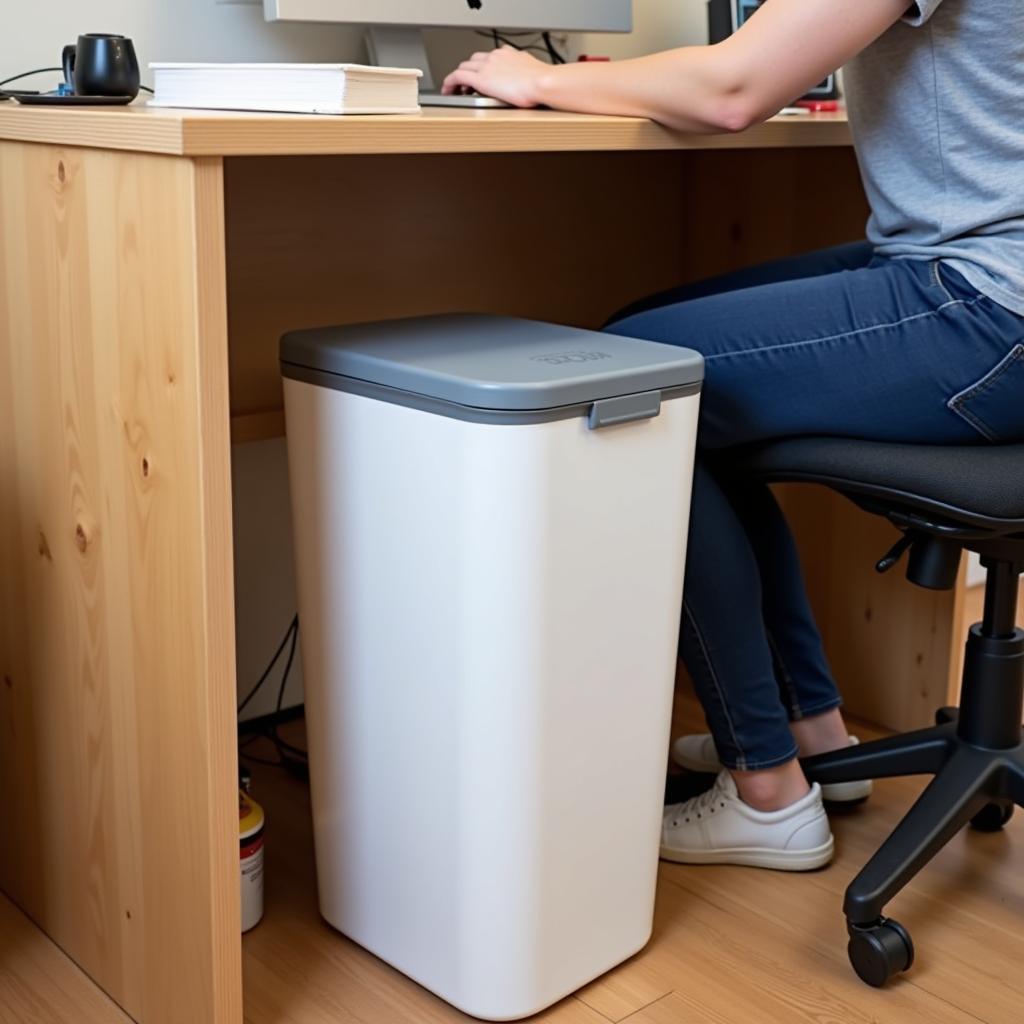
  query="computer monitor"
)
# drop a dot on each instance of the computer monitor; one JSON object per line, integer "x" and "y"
{"x": 394, "y": 38}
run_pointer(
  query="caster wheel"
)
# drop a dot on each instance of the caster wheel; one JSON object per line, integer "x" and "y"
{"x": 992, "y": 817}
{"x": 878, "y": 951}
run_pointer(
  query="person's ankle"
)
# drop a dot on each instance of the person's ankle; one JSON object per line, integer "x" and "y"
{"x": 772, "y": 789}
{"x": 818, "y": 734}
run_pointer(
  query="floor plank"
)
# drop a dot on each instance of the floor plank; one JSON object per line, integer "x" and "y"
{"x": 631, "y": 986}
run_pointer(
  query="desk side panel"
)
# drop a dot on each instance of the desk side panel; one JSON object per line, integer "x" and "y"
{"x": 116, "y": 619}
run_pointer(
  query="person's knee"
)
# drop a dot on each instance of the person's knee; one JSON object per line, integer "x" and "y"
{"x": 682, "y": 324}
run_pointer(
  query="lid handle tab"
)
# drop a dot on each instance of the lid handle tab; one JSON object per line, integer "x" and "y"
{"x": 607, "y": 412}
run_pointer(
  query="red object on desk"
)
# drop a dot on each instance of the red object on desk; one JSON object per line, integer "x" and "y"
{"x": 586, "y": 56}
{"x": 819, "y": 106}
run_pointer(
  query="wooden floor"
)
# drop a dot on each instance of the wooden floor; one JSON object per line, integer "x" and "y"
{"x": 730, "y": 945}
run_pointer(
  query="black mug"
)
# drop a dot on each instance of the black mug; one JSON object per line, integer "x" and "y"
{"x": 102, "y": 64}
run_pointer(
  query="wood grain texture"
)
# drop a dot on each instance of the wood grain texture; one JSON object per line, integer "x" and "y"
{"x": 39, "y": 984}
{"x": 730, "y": 945}
{"x": 221, "y": 717}
{"x": 564, "y": 237}
{"x": 116, "y": 615}
{"x": 227, "y": 133}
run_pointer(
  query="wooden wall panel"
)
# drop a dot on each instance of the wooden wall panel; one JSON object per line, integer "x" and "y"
{"x": 746, "y": 208}
{"x": 555, "y": 236}
{"x": 117, "y": 745}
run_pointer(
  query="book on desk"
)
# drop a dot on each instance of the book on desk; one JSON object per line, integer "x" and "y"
{"x": 287, "y": 88}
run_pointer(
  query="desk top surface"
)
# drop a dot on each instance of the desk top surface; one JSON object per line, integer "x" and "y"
{"x": 440, "y": 130}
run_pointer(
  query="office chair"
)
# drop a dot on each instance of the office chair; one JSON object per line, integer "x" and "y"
{"x": 943, "y": 499}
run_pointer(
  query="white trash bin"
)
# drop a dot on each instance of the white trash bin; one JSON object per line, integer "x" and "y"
{"x": 490, "y": 526}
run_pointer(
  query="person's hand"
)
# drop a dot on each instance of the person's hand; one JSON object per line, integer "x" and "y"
{"x": 506, "y": 74}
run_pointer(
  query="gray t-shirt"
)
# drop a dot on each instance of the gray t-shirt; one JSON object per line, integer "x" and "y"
{"x": 936, "y": 107}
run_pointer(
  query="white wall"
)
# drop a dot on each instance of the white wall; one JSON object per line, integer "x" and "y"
{"x": 34, "y": 32}
{"x": 975, "y": 570}
{"x": 264, "y": 571}
{"x": 165, "y": 30}
{"x": 657, "y": 25}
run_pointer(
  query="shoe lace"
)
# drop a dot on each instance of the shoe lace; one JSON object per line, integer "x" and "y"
{"x": 706, "y": 803}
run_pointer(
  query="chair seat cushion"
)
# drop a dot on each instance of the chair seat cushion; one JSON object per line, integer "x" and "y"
{"x": 976, "y": 485}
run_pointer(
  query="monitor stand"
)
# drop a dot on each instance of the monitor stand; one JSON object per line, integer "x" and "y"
{"x": 395, "y": 46}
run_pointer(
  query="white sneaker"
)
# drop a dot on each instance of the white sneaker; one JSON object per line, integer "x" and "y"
{"x": 717, "y": 827}
{"x": 698, "y": 754}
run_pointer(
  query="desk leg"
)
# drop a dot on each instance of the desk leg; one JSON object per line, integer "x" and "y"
{"x": 117, "y": 751}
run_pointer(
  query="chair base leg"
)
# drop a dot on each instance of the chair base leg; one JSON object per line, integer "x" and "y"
{"x": 975, "y": 753}
{"x": 922, "y": 752}
{"x": 960, "y": 790}
{"x": 971, "y": 784}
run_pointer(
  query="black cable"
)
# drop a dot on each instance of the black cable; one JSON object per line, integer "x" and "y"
{"x": 292, "y": 758}
{"x": 259, "y": 760}
{"x": 288, "y": 665}
{"x": 40, "y": 71}
{"x": 522, "y": 49}
{"x": 556, "y": 57}
{"x": 26, "y": 74}
{"x": 498, "y": 39}
{"x": 297, "y": 751}
{"x": 503, "y": 39}
{"x": 293, "y": 627}
{"x": 286, "y": 750}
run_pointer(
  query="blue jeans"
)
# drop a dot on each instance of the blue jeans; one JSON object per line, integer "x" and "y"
{"x": 839, "y": 342}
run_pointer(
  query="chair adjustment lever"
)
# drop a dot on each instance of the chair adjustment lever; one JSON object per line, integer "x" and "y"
{"x": 895, "y": 553}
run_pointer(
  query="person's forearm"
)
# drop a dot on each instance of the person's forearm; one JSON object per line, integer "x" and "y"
{"x": 774, "y": 57}
{"x": 692, "y": 89}
{"x": 735, "y": 83}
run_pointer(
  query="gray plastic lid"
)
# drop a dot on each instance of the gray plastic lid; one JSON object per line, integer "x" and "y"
{"x": 492, "y": 362}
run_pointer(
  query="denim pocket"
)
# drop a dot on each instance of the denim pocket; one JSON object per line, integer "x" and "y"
{"x": 951, "y": 283}
{"x": 994, "y": 405}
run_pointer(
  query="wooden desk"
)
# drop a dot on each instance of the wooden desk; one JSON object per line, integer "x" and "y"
{"x": 148, "y": 263}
